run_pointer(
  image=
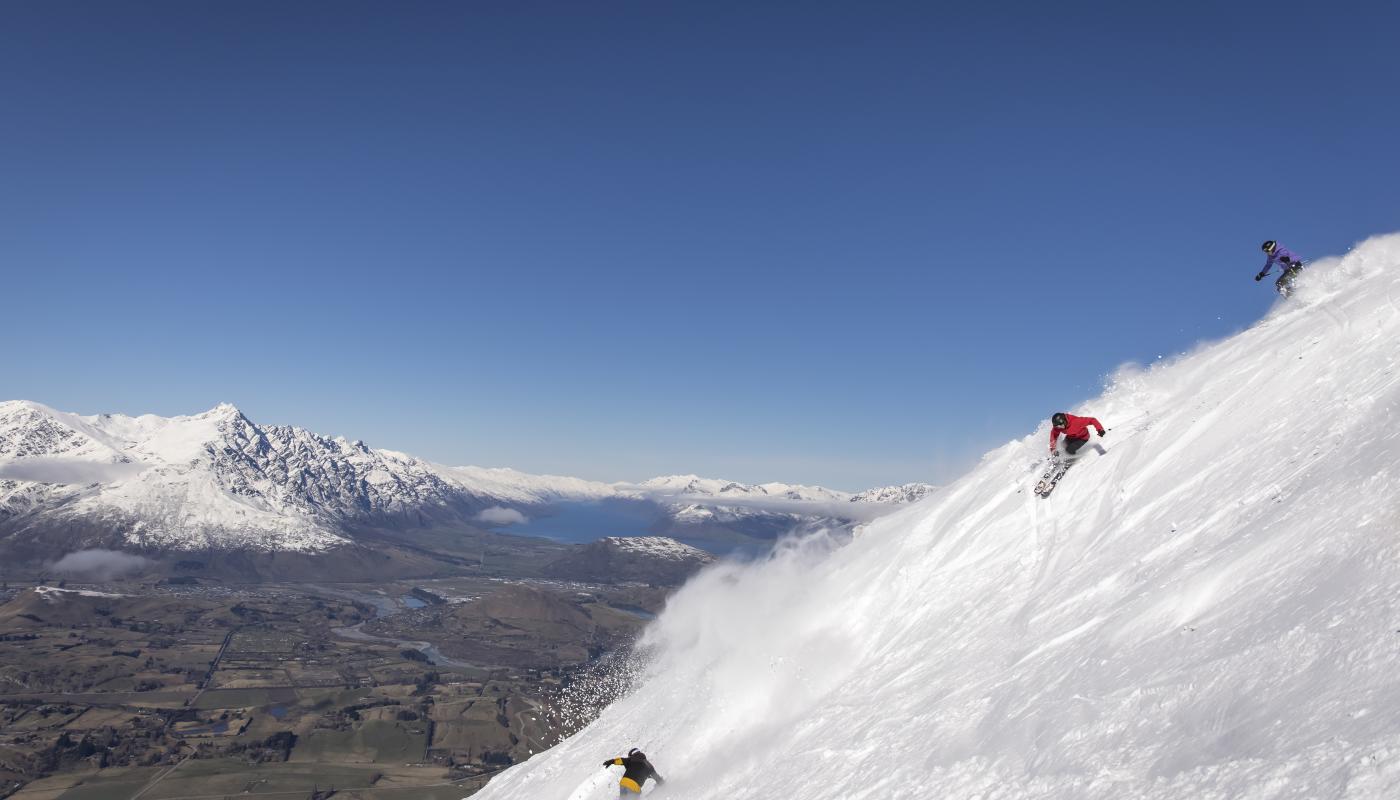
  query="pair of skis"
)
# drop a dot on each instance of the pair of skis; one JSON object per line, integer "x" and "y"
{"x": 1053, "y": 473}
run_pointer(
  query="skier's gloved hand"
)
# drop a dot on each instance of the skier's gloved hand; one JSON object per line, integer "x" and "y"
{"x": 1259, "y": 277}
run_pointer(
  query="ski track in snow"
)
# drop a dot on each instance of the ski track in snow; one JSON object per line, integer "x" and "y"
{"x": 1210, "y": 608}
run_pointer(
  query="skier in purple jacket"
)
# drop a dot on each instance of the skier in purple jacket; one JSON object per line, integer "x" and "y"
{"x": 1289, "y": 263}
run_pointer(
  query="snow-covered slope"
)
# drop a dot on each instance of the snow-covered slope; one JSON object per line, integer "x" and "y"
{"x": 1208, "y": 608}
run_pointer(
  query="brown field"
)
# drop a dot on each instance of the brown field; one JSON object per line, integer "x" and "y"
{"x": 196, "y": 692}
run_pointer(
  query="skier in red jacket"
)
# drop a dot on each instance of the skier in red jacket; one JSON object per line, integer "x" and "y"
{"x": 1074, "y": 429}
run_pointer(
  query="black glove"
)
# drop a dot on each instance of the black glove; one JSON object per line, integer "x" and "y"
{"x": 1259, "y": 277}
{"x": 1103, "y": 433}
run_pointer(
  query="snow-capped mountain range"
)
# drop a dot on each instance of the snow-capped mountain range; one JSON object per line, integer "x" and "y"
{"x": 217, "y": 480}
{"x": 696, "y": 486}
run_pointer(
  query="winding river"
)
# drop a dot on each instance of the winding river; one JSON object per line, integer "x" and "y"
{"x": 385, "y": 606}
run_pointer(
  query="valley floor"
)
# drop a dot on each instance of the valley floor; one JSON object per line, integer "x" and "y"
{"x": 159, "y": 692}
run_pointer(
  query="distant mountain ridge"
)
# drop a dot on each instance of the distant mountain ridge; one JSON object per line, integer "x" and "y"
{"x": 694, "y": 485}
{"x": 219, "y": 481}
{"x": 908, "y": 493}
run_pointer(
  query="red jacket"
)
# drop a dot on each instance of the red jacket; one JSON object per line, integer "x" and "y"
{"x": 1075, "y": 428}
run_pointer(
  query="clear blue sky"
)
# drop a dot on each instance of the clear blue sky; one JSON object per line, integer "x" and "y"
{"x": 848, "y": 244}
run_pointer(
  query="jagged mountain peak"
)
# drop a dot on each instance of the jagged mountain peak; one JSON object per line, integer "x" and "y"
{"x": 33, "y": 430}
{"x": 209, "y": 479}
{"x": 906, "y": 493}
{"x": 31, "y": 405}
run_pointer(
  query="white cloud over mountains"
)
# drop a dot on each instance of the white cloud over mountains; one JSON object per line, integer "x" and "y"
{"x": 500, "y": 515}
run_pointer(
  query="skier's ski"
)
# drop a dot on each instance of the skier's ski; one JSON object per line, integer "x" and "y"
{"x": 1053, "y": 473}
{"x": 1045, "y": 478}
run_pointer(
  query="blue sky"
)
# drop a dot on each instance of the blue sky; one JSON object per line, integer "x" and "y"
{"x": 848, "y": 244}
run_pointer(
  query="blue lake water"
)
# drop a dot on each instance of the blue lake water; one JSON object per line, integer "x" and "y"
{"x": 413, "y": 602}
{"x": 587, "y": 521}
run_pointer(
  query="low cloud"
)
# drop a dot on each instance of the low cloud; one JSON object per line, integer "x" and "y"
{"x": 44, "y": 469}
{"x": 102, "y": 565}
{"x": 500, "y": 515}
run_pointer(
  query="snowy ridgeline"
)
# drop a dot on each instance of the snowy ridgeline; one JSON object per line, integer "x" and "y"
{"x": 218, "y": 480}
{"x": 1208, "y": 609}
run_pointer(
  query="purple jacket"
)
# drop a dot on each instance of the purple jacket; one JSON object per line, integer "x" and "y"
{"x": 1282, "y": 255}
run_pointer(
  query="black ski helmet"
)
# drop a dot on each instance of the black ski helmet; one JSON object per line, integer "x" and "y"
{"x": 1059, "y": 419}
{"x": 1269, "y": 246}
{"x": 638, "y": 754}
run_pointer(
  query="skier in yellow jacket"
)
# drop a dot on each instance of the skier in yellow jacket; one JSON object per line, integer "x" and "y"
{"x": 636, "y": 771}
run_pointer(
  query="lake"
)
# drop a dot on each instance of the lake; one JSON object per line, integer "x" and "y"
{"x": 581, "y": 522}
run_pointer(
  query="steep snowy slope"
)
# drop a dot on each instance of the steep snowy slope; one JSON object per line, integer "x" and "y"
{"x": 1208, "y": 608}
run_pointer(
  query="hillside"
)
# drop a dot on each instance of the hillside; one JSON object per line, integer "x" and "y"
{"x": 643, "y": 559}
{"x": 1208, "y": 608}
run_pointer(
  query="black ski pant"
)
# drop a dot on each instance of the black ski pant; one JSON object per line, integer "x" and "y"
{"x": 1072, "y": 445}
